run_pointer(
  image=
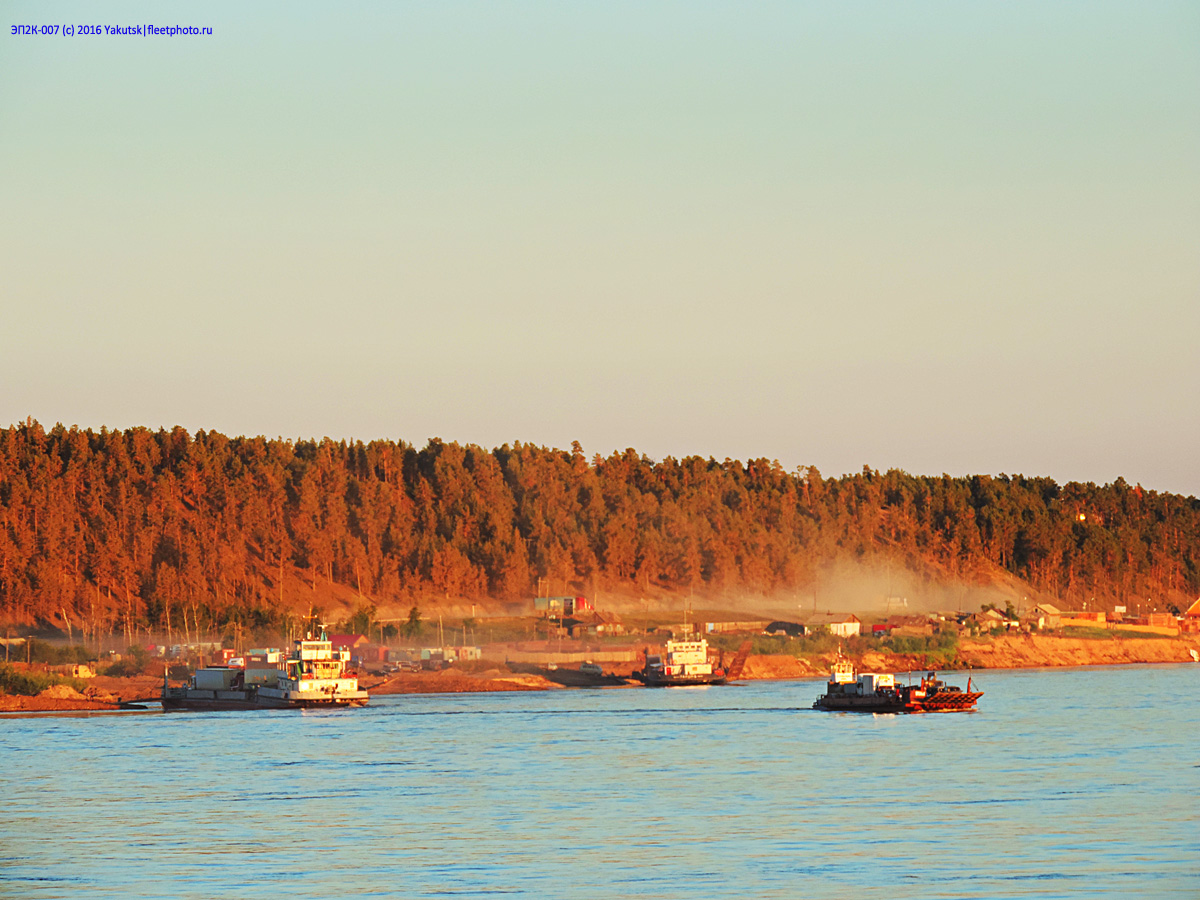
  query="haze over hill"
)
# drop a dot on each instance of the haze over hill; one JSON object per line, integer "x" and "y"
{"x": 113, "y": 531}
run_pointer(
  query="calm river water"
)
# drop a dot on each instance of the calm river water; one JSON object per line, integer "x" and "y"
{"x": 1075, "y": 783}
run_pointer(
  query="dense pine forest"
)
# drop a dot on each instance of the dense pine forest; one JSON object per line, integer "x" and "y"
{"x": 116, "y": 530}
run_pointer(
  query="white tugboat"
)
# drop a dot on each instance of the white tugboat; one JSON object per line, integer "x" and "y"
{"x": 314, "y": 675}
{"x": 682, "y": 662}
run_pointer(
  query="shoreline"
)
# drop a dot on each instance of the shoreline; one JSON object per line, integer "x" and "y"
{"x": 1024, "y": 651}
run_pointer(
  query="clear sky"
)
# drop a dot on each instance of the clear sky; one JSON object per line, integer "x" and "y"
{"x": 942, "y": 237}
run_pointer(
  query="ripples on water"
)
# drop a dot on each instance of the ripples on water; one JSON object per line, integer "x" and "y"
{"x": 1076, "y": 783}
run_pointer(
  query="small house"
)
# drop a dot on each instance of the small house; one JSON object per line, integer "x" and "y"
{"x": 989, "y": 619}
{"x": 607, "y": 623}
{"x": 1048, "y": 616}
{"x": 351, "y": 642}
{"x": 841, "y": 624}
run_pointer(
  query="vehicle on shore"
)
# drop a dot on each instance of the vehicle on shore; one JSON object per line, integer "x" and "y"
{"x": 313, "y": 676}
{"x": 680, "y": 663}
{"x": 402, "y": 665}
{"x": 848, "y": 691}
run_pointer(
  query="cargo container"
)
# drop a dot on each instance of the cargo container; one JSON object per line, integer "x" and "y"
{"x": 216, "y": 679}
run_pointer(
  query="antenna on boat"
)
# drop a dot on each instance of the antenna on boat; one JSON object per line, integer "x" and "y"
{"x": 309, "y": 621}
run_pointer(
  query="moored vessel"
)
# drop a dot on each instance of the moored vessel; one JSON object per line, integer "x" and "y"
{"x": 588, "y": 675}
{"x": 681, "y": 663}
{"x": 314, "y": 675}
{"x": 849, "y": 691}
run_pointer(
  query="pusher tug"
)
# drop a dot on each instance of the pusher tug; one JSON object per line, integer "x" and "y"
{"x": 681, "y": 663}
{"x": 849, "y": 691}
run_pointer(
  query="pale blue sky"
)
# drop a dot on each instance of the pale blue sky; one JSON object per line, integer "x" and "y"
{"x": 943, "y": 237}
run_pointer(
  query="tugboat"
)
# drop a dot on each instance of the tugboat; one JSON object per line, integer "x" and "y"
{"x": 683, "y": 662}
{"x": 848, "y": 691}
{"x": 312, "y": 676}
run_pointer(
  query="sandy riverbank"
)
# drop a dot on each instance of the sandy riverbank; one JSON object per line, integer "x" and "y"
{"x": 1005, "y": 652}
{"x": 101, "y": 693}
{"x": 1036, "y": 651}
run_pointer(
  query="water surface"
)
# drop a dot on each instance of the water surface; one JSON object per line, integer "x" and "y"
{"x": 1066, "y": 783}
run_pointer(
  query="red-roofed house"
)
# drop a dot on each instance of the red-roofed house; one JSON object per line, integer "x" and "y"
{"x": 349, "y": 642}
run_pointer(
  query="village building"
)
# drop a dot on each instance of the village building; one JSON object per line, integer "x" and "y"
{"x": 562, "y": 606}
{"x": 749, "y": 627}
{"x": 606, "y": 623}
{"x": 349, "y": 642}
{"x": 593, "y": 623}
{"x": 1046, "y": 616}
{"x": 1084, "y": 617}
{"x": 1159, "y": 620}
{"x": 989, "y": 619}
{"x": 841, "y": 624}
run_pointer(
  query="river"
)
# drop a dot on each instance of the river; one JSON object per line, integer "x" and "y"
{"x": 1064, "y": 784}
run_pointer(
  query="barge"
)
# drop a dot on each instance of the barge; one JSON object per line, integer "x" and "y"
{"x": 313, "y": 676}
{"x": 588, "y": 675}
{"x": 849, "y": 691}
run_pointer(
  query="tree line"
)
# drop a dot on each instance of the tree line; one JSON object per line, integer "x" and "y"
{"x": 139, "y": 528}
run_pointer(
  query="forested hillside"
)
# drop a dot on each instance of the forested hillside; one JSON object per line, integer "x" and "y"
{"x": 123, "y": 528}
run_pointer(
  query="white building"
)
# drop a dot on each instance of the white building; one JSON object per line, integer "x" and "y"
{"x": 841, "y": 624}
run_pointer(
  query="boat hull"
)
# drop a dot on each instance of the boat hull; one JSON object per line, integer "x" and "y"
{"x": 277, "y": 698}
{"x": 652, "y": 679}
{"x": 861, "y": 704}
{"x": 949, "y": 701}
{"x": 184, "y": 703}
{"x": 184, "y": 699}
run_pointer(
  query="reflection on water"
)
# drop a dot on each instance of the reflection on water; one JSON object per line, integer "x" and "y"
{"x": 1077, "y": 783}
